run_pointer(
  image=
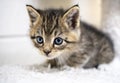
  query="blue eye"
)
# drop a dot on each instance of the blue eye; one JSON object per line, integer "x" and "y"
{"x": 39, "y": 39}
{"x": 58, "y": 41}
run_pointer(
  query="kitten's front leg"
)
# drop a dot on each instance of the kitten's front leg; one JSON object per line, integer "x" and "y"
{"x": 78, "y": 59}
{"x": 40, "y": 67}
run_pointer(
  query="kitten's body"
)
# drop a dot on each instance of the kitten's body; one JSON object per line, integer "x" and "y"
{"x": 93, "y": 49}
{"x": 82, "y": 45}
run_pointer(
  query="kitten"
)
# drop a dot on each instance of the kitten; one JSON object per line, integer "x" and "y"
{"x": 63, "y": 39}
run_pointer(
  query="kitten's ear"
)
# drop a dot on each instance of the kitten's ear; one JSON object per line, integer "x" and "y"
{"x": 34, "y": 15}
{"x": 71, "y": 17}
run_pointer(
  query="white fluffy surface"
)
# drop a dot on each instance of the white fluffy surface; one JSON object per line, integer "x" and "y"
{"x": 27, "y": 74}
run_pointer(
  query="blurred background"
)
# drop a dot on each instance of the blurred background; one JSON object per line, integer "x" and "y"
{"x": 15, "y": 45}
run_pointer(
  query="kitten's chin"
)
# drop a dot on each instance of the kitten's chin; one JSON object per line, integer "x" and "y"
{"x": 49, "y": 57}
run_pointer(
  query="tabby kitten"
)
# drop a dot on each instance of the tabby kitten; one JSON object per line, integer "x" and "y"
{"x": 63, "y": 39}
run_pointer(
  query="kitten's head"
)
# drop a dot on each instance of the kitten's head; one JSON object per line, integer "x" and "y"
{"x": 55, "y": 32}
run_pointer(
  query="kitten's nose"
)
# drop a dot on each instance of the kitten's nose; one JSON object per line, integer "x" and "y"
{"x": 47, "y": 52}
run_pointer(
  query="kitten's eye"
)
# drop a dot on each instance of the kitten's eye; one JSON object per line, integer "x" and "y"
{"x": 58, "y": 41}
{"x": 39, "y": 39}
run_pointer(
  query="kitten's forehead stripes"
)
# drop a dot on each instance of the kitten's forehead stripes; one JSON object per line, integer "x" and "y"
{"x": 50, "y": 25}
{"x": 50, "y": 20}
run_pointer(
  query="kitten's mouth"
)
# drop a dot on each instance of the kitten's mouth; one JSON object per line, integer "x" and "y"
{"x": 50, "y": 56}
